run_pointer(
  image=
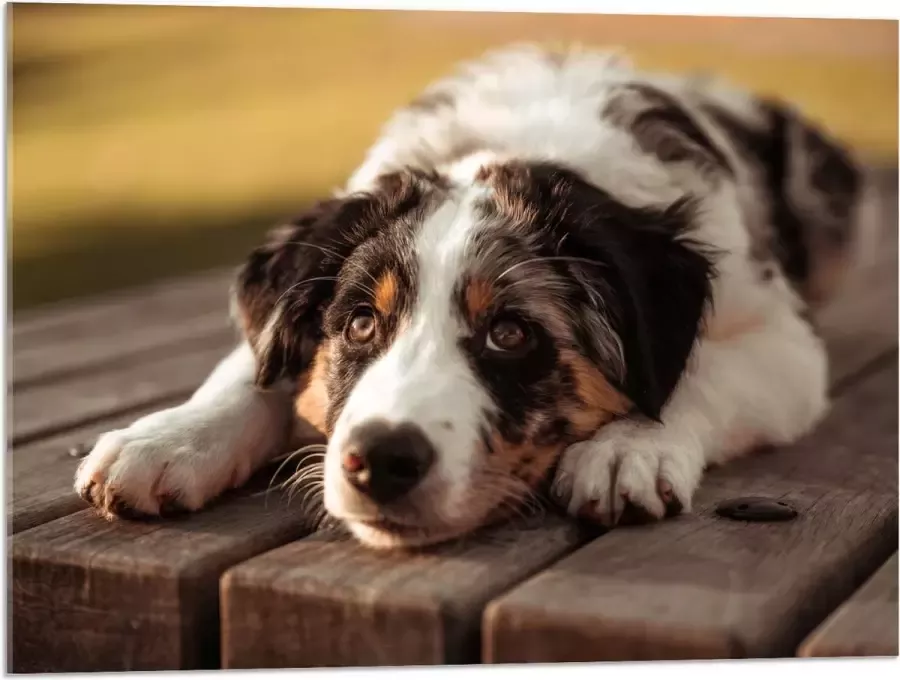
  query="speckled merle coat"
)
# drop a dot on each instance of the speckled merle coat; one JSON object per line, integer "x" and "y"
{"x": 549, "y": 268}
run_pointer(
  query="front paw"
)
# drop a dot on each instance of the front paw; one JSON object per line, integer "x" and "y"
{"x": 629, "y": 472}
{"x": 161, "y": 465}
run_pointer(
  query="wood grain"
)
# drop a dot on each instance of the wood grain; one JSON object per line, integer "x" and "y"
{"x": 40, "y": 475}
{"x": 701, "y": 586}
{"x": 80, "y": 339}
{"x": 92, "y": 595}
{"x": 328, "y": 601}
{"x": 54, "y": 322}
{"x": 46, "y": 410}
{"x": 864, "y": 625}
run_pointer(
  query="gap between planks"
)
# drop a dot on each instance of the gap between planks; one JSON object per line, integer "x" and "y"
{"x": 864, "y": 625}
{"x": 705, "y": 587}
{"x": 79, "y": 338}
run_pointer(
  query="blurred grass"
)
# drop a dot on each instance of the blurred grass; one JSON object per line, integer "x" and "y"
{"x": 149, "y": 141}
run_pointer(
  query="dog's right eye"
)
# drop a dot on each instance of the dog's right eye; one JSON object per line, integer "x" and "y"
{"x": 361, "y": 327}
{"x": 509, "y": 336}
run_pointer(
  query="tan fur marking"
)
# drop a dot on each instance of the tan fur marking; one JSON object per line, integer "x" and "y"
{"x": 386, "y": 293}
{"x": 479, "y": 298}
{"x": 600, "y": 401}
{"x": 311, "y": 404}
{"x": 526, "y": 466}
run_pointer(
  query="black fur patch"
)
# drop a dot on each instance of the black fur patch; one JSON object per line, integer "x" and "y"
{"x": 830, "y": 183}
{"x": 571, "y": 245}
{"x": 295, "y": 274}
{"x": 662, "y": 127}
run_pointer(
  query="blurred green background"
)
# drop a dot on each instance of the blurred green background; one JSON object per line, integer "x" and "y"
{"x": 151, "y": 141}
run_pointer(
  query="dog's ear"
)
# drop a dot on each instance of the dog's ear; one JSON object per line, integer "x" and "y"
{"x": 645, "y": 281}
{"x": 283, "y": 288}
{"x": 663, "y": 127}
{"x": 279, "y": 292}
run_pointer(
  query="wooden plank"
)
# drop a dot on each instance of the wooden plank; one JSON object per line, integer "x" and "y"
{"x": 40, "y": 475}
{"x": 42, "y": 365}
{"x": 328, "y": 601}
{"x": 862, "y": 321}
{"x": 91, "y": 595}
{"x": 48, "y": 409}
{"x": 865, "y": 625}
{"x": 54, "y": 321}
{"x": 701, "y": 586}
{"x": 77, "y": 339}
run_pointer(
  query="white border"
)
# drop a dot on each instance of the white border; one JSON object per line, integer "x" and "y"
{"x": 873, "y": 669}
{"x": 849, "y": 9}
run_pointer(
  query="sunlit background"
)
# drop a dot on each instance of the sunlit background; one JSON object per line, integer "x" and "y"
{"x": 152, "y": 141}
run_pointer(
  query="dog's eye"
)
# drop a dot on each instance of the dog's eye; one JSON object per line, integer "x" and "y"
{"x": 507, "y": 335}
{"x": 361, "y": 328}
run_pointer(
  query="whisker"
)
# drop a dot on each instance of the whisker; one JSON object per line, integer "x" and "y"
{"x": 550, "y": 258}
{"x": 312, "y": 451}
{"x": 317, "y": 246}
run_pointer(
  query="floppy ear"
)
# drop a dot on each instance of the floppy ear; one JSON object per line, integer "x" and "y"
{"x": 649, "y": 283}
{"x": 284, "y": 284}
{"x": 663, "y": 127}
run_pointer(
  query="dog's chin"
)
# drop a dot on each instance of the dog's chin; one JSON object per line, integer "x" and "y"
{"x": 383, "y": 534}
{"x": 388, "y": 536}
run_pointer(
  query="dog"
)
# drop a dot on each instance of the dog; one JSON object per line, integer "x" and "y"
{"x": 551, "y": 268}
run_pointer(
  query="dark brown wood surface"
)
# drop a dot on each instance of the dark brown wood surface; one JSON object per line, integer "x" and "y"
{"x": 47, "y": 409}
{"x": 702, "y": 586}
{"x": 392, "y": 609}
{"x": 92, "y": 595}
{"x": 37, "y": 365}
{"x": 41, "y": 474}
{"x": 132, "y": 306}
{"x": 864, "y": 625}
{"x": 76, "y": 338}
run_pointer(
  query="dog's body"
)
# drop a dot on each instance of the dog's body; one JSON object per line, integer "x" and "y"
{"x": 547, "y": 260}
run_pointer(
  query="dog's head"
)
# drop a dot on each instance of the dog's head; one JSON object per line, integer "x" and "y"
{"x": 460, "y": 335}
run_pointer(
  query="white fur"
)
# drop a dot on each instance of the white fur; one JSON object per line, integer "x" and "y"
{"x": 195, "y": 451}
{"x": 423, "y": 377}
{"x": 766, "y": 385}
{"x": 758, "y": 376}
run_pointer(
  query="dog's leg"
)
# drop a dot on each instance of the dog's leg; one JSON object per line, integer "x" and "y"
{"x": 765, "y": 386}
{"x": 183, "y": 457}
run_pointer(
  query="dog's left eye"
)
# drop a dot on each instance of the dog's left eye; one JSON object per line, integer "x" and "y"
{"x": 362, "y": 325}
{"x": 507, "y": 335}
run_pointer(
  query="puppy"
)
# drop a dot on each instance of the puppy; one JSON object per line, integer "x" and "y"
{"x": 548, "y": 267}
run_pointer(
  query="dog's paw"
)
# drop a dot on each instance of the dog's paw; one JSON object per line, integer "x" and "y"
{"x": 629, "y": 472}
{"x": 163, "y": 464}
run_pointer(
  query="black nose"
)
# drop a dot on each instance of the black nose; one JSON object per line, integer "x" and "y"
{"x": 386, "y": 461}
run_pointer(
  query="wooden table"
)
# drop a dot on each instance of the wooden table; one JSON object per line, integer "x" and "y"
{"x": 245, "y": 584}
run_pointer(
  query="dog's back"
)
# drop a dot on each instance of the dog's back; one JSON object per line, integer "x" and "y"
{"x": 802, "y": 195}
